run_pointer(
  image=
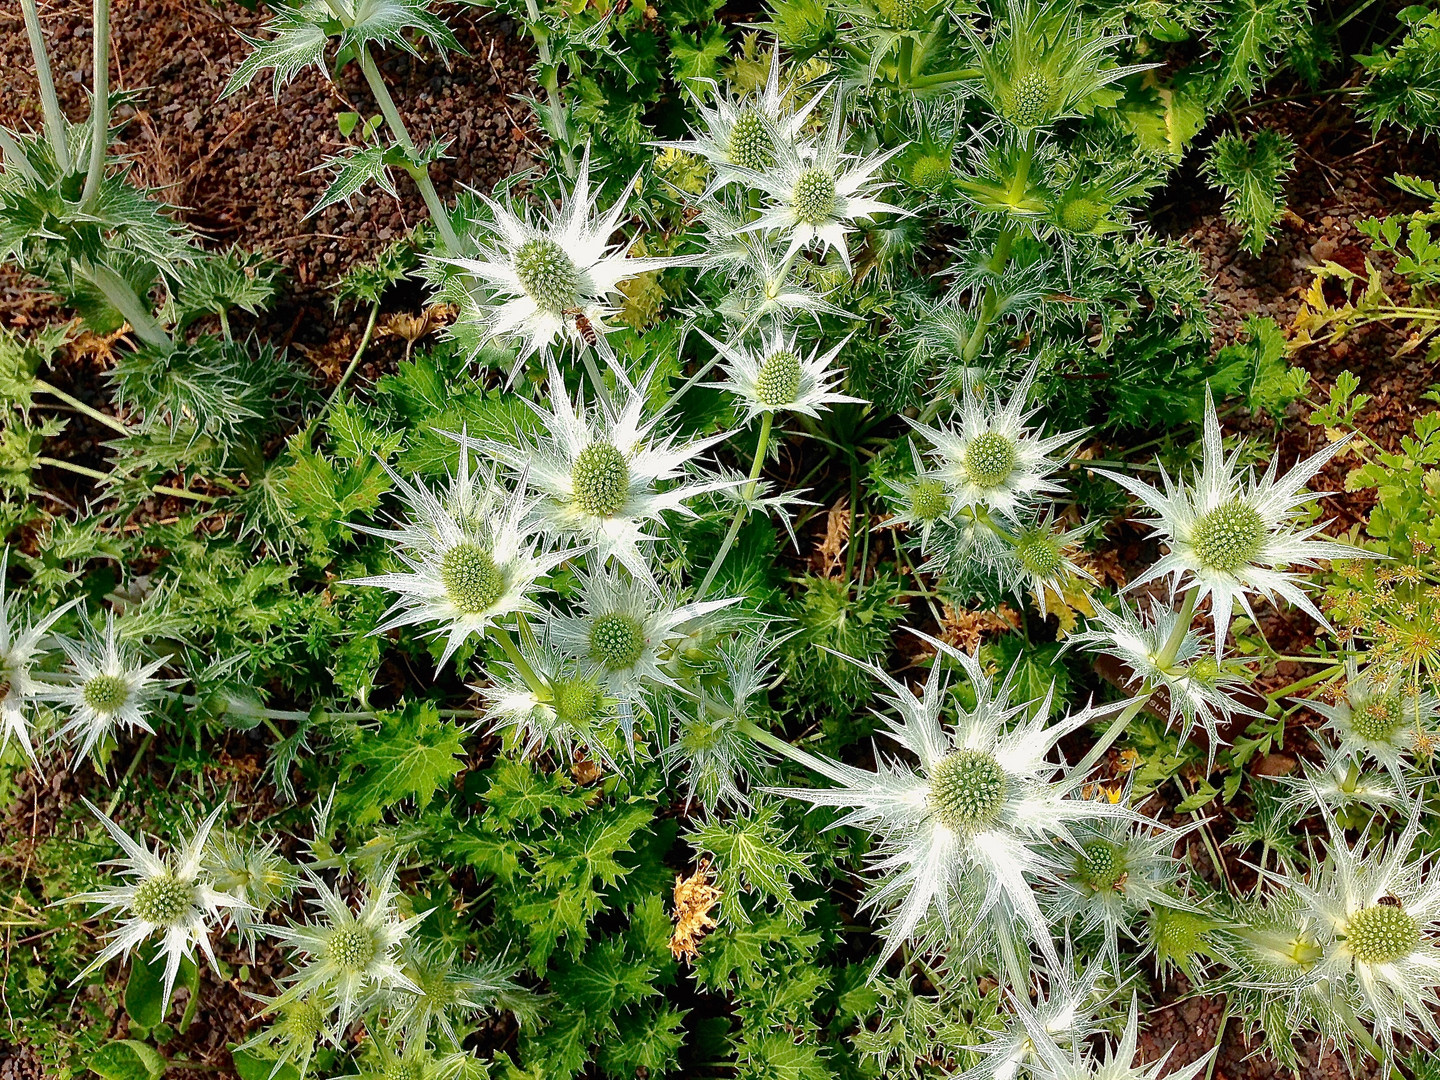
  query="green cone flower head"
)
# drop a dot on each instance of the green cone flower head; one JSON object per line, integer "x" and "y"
{"x": 1378, "y": 717}
{"x": 776, "y": 375}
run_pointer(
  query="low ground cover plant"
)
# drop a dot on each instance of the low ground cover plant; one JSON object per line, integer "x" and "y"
{"x": 495, "y": 719}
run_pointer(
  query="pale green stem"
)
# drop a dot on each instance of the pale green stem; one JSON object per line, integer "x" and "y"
{"x": 767, "y": 422}
{"x": 79, "y": 406}
{"x": 532, "y": 680}
{"x": 438, "y": 213}
{"x": 940, "y": 78}
{"x": 1308, "y": 681}
{"x": 779, "y": 745}
{"x": 55, "y": 124}
{"x": 550, "y": 80}
{"x": 129, "y": 772}
{"x": 122, "y": 297}
{"x": 99, "y": 104}
{"x": 345, "y": 375}
{"x": 70, "y": 466}
{"x": 1168, "y": 652}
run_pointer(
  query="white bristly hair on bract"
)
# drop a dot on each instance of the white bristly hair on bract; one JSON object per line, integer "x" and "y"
{"x": 110, "y": 691}
{"x": 20, "y": 647}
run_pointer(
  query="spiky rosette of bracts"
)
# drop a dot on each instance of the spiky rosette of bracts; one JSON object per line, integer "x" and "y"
{"x": 472, "y": 556}
{"x": 552, "y": 278}
{"x": 1376, "y": 716}
{"x": 989, "y": 457}
{"x": 20, "y": 648}
{"x": 778, "y": 376}
{"x": 1231, "y": 535}
{"x": 171, "y": 896}
{"x": 603, "y": 473}
{"x": 971, "y": 827}
{"x": 110, "y": 691}
{"x": 1075, "y": 1060}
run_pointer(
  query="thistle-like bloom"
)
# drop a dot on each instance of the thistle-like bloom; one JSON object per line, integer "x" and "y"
{"x": 1340, "y": 782}
{"x": 170, "y": 895}
{"x": 254, "y": 873}
{"x": 449, "y": 990}
{"x": 720, "y": 760}
{"x": 1064, "y": 1013}
{"x": 748, "y": 132}
{"x": 990, "y": 459}
{"x": 1377, "y": 908}
{"x": 821, "y": 192}
{"x": 294, "y": 1035}
{"x": 1201, "y": 689}
{"x": 599, "y": 471}
{"x": 349, "y": 958}
{"x": 919, "y": 503}
{"x": 1230, "y": 535}
{"x": 556, "y": 705}
{"x": 624, "y": 634}
{"x": 777, "y": 378}
{"x": 1122, "y": 871}
{"x": 974, "y": 820}
{"x": 1043, "y": 562}
{"x": 19, "y": 649}
{"x": 111, "y": 691}
{"x": 1377, "y": 718}
{"x": 761, "y": 284}
{"x": 552, "y": 279}
{"x": 472, "y": 557}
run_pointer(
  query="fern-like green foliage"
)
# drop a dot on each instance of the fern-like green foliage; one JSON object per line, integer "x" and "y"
{"x": 1252, "y": 173}
{"x": 1404, "y": 86}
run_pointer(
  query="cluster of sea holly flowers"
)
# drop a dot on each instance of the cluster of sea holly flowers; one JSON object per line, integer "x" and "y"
{"x": 99, "y": 685}
{"x": 355, "y": 954}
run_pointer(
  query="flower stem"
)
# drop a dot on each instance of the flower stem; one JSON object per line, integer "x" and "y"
{"x": 507, "y": 643}
{"x": 1308, "y": 681}
{"x": 129, "y": 772}
{"x": 1171, "y": 648}
{"x": 80, "y": 407}
{"x": 345, "y": 375}
{"x": 767, "y": 422}
{"x": 122, "y": 298}
{"x": 941, "y": 78}
{"x": 99, "y": 105}
{"x": 774, "y": 742}
{"x": 70, "y": 466}
{"x": 55, "y": 123}
{"x": 421, "y": 176}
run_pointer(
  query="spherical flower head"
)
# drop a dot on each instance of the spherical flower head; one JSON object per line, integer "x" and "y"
{"x": 778, "y": 377}
{"x": 989, "y": 458}
{"x": 902, "y": 14}
{"x": 1100, "y": 866}
{"x": 170, "y": 896}
{"x": 1381, "y": 933}
{"x": 617, "y": 641}
{"x": 1377, "y": 718}
{"x": 928, "y": 501}
{"x": 1030, "y": 101}
{"x": 601, "y": 472}
{"x": 547, "y": 274}
{"x": 1231, "y": 535}
{"x": 930, "y": 172}
{"x": 751, "y": 144}
{"x": 472, "y": 556}
{"x": 111, "y": 692}
{"x": 1081, "y": 214}
{"x": 813, "y": 197}
{"x": 569, "y": 708}
{"x": 969, "y": 829}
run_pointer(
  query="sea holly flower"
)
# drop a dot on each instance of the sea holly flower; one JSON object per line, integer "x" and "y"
{"x": 295, "y": 1034}
{"x": 761, "y": 282}
{"x": 552, "y": 703}
{"x": 111, "y": 691}
{"x": 819, "y": 193}
{"x": 349, "y": 958}
{"x": 625, "y": 635}
{"x": 599, "y": 469}
{"x": 448, "y": 990}
{"x": 1121, "y": 872}
{"x": 170, "y": 896}
{"x": 973, "y": 823}
{"x": 778, "y": 377}
{"x": 472, "y": 558}
{"x": 254, "y": 873}
{"x": 19, "y": 649}
{"x": 988, "y": 456}
{"x": 1340, "y": 782}
{"x": 1231, "y": 535}
{"x": 551, "y": 279}
{"x": 1376, "y": 717}
{"x": 1074, "y": 1060}
{"x": 1064, "y": 1011}
{"x": 748, "y": 132}
{"x": 1044, "y": 563}
{"x": 919, "y": 502}
{"x": 1041, "y": 62}
{"x": 1202, "y": 690}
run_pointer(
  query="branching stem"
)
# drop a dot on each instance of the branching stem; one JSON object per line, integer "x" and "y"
{"x": 767, "y": 422}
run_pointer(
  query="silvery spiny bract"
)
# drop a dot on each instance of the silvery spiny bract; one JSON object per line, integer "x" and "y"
{"x": 109, "y": 692}
{"x": 20, "y": 648}
{"x": 1376, "y": 717}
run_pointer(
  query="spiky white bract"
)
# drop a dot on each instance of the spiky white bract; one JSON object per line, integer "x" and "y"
{"x": 989, "y": 457}
{"x": 975, "y": 819}
{"x": 625, "y": 634}
{"x": 171, "y": 896}
{"x": 761, "y": 284}
{"x": 744, "y": 133}
{"x": 1064, "y": 1012}
{"x": 1202, "y": 691}
{"x": 1377, "y": 907}
{"x": 292, "y": 1038}
{"x": 449, "y": 990}
{"x": 777, "y": 377}
{"x": 919, "y": 502}
{"x": 1076, "y": 1061}
{"x": 1376, "y": 717}
{"x": 1339, "y": 781}
{"x": 603, "y": 473}
{"x": 1121, "y": 871}
{"x": 1043, "y": 562}
{"x": 472, "y": 556}
{"x": 347, "y": 958}
{"x": 255, "y": 873}
{"x": 110, "y": 692}
{"x": 555, "y": 706}
{"x": 819, "y": 193}
{"x": 542, "y": 276}
{"x": 20, "y": 648}
{"x": 1231, "y": 535}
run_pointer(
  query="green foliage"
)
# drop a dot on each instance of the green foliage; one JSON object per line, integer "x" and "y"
{"x": 1404, "y": 79}
{"x": 1252, "y": 173}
